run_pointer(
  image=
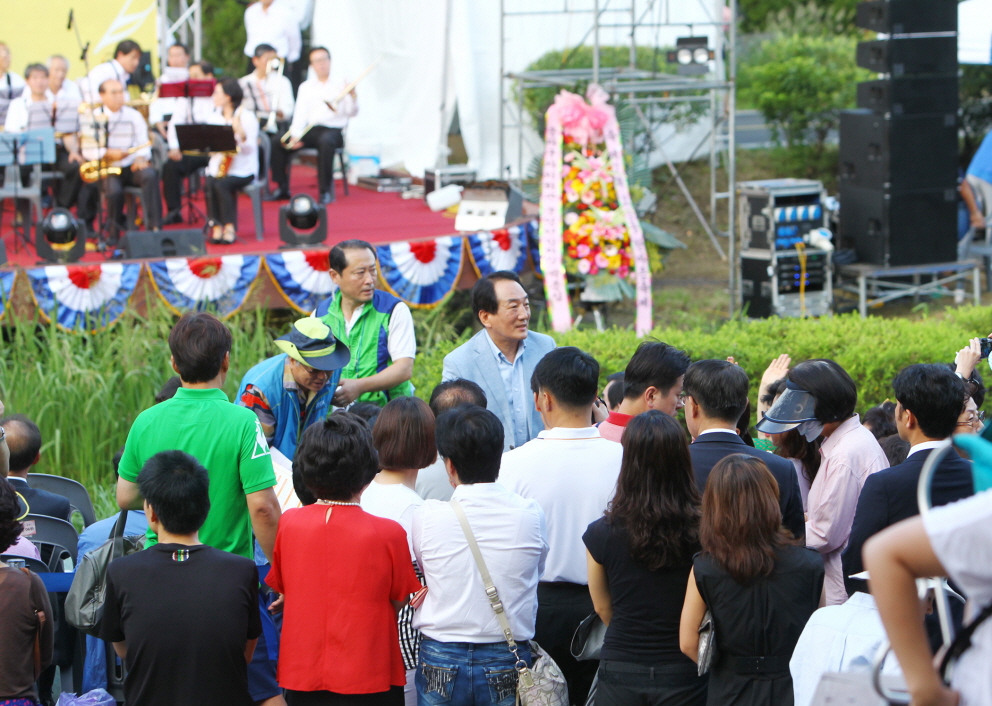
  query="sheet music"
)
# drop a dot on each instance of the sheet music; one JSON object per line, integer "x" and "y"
{"x": 33, "y": 147}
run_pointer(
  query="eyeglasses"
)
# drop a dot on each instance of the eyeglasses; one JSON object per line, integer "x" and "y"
{"x": 978, "y": 418}
{"x": 312, "y": 372}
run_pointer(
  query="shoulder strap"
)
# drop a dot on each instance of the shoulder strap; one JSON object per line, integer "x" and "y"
{"x": 37, "y": 634}
{"x": 963, "y": 639}
{"x": 494, "y": 600}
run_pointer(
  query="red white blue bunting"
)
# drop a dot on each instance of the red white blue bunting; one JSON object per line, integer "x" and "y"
{"x": 303, "y": 277}
{"x": 421, "y": 273}
{"x": 217, "y": 284}
{"x": 500, "y": 249}
{"x": 84, "y": 297}
{"x": 6, "y": 284}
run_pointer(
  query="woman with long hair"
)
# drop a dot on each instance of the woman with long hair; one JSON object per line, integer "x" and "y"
{"x": 759, "y": 586}
{"x": 639, "y": 556}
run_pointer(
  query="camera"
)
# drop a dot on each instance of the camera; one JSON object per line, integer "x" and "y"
{"x": 986, "y": 344}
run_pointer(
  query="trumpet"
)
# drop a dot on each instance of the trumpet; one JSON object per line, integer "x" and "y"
{"x": 91, "y": 171}
{"x": 277, "y": 64}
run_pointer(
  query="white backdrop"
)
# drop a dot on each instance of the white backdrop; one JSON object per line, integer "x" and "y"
{"x": 400, "y": 103}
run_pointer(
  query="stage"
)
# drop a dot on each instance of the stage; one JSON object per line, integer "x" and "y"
{"x": 422, "y": 259}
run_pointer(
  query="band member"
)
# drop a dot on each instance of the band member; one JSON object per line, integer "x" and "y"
{"x": 118, "y": 135}
{"x": 127, "y": 56}
{"x": 179, "y": 166}
{"x": 34, "y": 110}
{"x": 315, "y": 109}
{"x": 228, "y": 173}
{"x": 268, "y": 93}
{"x": 272, "y": 22}
{"x": 176, "y": 71}
{"x": 58, "y": 88}
{"x": 11, "y": 85}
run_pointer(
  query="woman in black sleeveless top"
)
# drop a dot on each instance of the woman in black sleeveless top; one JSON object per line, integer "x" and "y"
{"x": 759, "y": 586}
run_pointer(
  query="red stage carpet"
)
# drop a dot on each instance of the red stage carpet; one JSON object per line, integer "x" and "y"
{"x": 377, "y": 218}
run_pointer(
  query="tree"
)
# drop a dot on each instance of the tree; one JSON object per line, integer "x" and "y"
{"x": 756, "y": 15}
{"x": 800, "y": 84}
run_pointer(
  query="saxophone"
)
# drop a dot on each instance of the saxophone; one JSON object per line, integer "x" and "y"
{"x": 91, "y": 171}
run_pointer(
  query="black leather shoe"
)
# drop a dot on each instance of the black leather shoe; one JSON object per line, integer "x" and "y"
{"x": 278, "y": 195}
{"x": 172, "y": 217}
{"x": 326, "y": 198}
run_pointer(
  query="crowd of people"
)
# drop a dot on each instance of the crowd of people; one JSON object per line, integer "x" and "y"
{"x": 133, "y": 143}
{"x": 723, "y": 558}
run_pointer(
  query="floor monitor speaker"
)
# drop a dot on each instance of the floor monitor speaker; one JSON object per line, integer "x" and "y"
{"x": 140, "y": 244}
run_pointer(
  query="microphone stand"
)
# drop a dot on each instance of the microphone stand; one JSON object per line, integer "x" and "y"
{"x": 84, "y": 51}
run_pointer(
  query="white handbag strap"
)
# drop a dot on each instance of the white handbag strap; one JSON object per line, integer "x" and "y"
{"x": 494, "y": 600}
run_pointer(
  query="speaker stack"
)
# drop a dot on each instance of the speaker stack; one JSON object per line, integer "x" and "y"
{"x": 899, "y": 150}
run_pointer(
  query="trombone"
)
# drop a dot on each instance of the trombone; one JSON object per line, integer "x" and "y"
{"x": 277, "y": 64}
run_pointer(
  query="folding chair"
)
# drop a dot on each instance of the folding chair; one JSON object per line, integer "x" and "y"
{"x": 74, "y": 491}
{"x": 58, "y": 534}
{"x": 36, "y": 565}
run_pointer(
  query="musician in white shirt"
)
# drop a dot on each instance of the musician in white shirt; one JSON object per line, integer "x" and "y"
{"x": 127, "y": 56}
{"x": 316, "y": 109}
{"x": 227, "y": 174}
{"x": 11, "y": 85}
{"x": 118, "y": 134}
{"x": 268, "y": 91}
{"x": 188, "y": 111}
{"x": 34, "y": 110}
{"x": 58, "y": 88}
{"x": 272, "y": 22}
{"x": 176, "y": 70}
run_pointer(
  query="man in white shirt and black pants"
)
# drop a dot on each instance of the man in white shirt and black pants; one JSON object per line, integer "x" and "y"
{"x": 127, "y": 56}
{"x": 315, "y": 105}
{"x": 571, "y": 471}
{"x": 121, "y": 139}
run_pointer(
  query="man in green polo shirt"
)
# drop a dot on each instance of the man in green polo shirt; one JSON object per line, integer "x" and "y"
{"x": 225, "y": 438}
{"x": 375, "y": 325}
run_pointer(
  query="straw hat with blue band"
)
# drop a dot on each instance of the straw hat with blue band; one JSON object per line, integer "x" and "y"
{"x": 311, "y": 343}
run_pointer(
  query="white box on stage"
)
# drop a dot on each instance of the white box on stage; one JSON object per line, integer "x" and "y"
{"x": 482, "y": 209}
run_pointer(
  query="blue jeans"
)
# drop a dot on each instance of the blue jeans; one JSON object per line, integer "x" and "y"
{"x": 467, "y": 674}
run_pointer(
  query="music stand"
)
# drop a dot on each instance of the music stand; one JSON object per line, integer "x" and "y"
{"x": 22, "y": 149}
{"x": 200, "y": 138}
{"x": 187, "y": 89}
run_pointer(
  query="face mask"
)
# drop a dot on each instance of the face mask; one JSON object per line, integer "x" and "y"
{"x": 810, "y": 430}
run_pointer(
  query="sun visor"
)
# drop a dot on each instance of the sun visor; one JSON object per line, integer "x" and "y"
{"x": 790, "y": 410}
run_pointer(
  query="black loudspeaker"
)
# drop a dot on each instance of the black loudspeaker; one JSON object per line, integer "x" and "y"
{"x": 904, "y": 57}
{"x": 901, "y": 152}
{"x": 893, "y": 228}
{"x": 907, "y": 16}
{"x": 910, "y": 95}
{"x": 140, "y": 244}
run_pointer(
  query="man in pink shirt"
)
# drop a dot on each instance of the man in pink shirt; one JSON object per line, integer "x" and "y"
{"x": 819, "y": 401}
{"x": 652, "y": 380}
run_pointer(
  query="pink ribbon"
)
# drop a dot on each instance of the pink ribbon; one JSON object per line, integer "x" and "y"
{"x": 550, "y": 241}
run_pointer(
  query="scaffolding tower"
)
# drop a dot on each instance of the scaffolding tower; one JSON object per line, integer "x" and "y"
{"x": 184, "y": 20}
{"x": 639, "y": 88}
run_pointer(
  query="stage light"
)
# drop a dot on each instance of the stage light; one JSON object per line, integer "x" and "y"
{"x": 692, "y": 54}
{"x": 302, "y": 221}
{"x": 60, "y": 238}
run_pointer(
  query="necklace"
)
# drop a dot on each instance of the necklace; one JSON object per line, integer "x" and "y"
{"x": 336, "y": 502}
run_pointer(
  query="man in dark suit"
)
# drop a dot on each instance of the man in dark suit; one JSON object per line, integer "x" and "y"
{"x": 24, "y": 443}
{"x": 715, "y": 397}
{"x": 929, "y": 401}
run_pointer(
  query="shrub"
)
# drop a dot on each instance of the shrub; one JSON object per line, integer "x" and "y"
{"x": 800, "y": 84}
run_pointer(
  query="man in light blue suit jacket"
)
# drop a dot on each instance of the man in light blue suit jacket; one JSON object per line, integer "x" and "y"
{"x": 501, "y": 358}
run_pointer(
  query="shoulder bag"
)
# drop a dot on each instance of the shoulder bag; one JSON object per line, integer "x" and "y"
{"x": 587, "y": 642}
{"x": 540, "y": 685}
{"x": 85, "y": 599}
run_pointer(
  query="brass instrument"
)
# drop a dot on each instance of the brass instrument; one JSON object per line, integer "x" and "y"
{"x": 277, "y": 64}
{"x": 287, "y": 139}
{"x": 91, "y": 171}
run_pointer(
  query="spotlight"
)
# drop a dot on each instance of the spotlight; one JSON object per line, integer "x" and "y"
{"x": 60, "y": 238}
{"x": 692, "y": 54}
{"x": 302, "y": 222}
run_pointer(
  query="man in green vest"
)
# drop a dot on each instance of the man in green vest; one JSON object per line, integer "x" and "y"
{"x": 376, "y": 326}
